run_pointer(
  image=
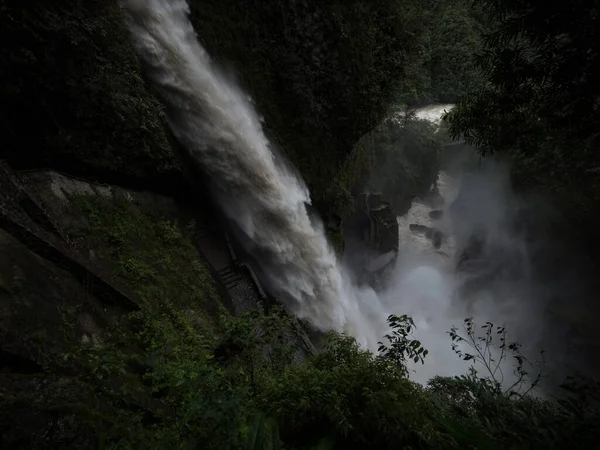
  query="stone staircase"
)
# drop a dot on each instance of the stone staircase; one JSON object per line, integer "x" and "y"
{"x": 230, "y": 277}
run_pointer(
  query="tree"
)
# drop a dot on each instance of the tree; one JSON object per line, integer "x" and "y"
{"x": 490, "y": 350}
{"x": 401, "y": 347}
{"x": 444, "y": 69}
{"x": 541, "y": 102}
{"x": 407, "y": 159}
{"x": 541, "y": 64}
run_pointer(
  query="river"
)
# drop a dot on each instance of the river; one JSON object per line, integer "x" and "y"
{"x": 439, "y": 287}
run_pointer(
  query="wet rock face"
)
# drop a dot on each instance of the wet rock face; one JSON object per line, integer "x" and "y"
{"x": 417, "y": 228}
{"x": 38, "y": 308}
{"x": 437, "y": 239}
{"x": 371, "y": 236}
{"x": 436, "y": 236}
{"x": 473, "y": 250}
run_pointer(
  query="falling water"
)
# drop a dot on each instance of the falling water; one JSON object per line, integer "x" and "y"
{"x": 433, "y": 113}
{"x": 266, "y": 200}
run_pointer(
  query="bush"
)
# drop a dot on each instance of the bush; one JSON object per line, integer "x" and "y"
{"x": 159, "y": 381}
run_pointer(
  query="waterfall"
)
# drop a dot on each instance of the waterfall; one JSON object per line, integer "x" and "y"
{"x": 266, "y": 200}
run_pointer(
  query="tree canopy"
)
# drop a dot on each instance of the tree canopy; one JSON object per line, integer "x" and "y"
{"x": 541, "y": 101}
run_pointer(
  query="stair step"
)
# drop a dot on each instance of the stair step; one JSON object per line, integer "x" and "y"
{"x": 231, "y": 276}
{"x": 233, "y": 283}
{"x": 235, "y": 278}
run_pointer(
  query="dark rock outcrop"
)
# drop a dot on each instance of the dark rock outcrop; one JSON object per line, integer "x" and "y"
{"x": 436, "y": 214}
{"x": 436, "y": 236}
{"x": 418, "y": 228}
{"x": 372, "y": 236}
{"x": 335, "y": 222}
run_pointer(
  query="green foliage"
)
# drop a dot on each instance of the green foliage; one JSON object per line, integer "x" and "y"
{"x": 159, "y": 380}
{"x": 538, "y": 63}
{"x": 352, "y": 398}
{"x": 444, "y": 68}
{"x": 341, "y": 200}
{"x": 72, "y": 93}
{"x": 170, "y": 375}
{"x": 162, "y": 365}
{"x": 407, "y": 156}
{"x": 154, "y": 255}
{"x": 482, "y": 345}
{"x": 526, "y": 422}
{"x": 345, "y": 394}
{"x": 540, "y": 103}
{"x": 401, "y": 348}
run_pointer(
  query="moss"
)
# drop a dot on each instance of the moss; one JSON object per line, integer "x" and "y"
{"x": 152, "y": 253}
{"x": 113, "y": 393}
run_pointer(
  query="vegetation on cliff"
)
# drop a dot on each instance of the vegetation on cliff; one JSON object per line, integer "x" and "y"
{"x": 73, "y": 97}
{"x": 322, "y": 74}
{"x": 407, "y": 160}
{"x": 444, "y": 68}
{"x": 540, "y": 103}
{"x": 160, "y": 381}
{"x": 182, "y": 371}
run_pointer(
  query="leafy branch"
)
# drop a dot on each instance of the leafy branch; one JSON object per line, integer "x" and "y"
{"x": 402, "y": 347}
{"x": 528, "y": 374}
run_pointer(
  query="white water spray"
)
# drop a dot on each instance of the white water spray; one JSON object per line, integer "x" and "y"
{"x": 427, "y": 286}
{"x": 219, "y": 127}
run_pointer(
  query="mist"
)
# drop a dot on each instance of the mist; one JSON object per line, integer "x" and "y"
{"x": 485, "y": 268}
{"x": 428, "y": 286}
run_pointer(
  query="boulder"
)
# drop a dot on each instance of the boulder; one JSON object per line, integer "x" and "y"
{"x": 436, "y": 236}
{"x": 375, "y": 200}
{"x": 437, "y": 239}
{"x": 432, "y": 232}
{"x": 334, "y": 222}
{"x": 417, "y": 228}
{"x": 436, "y": 214}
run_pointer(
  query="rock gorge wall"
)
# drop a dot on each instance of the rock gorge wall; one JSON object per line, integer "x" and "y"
{"x": 321, "y": 73}
{"x": 118, "y": 230}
